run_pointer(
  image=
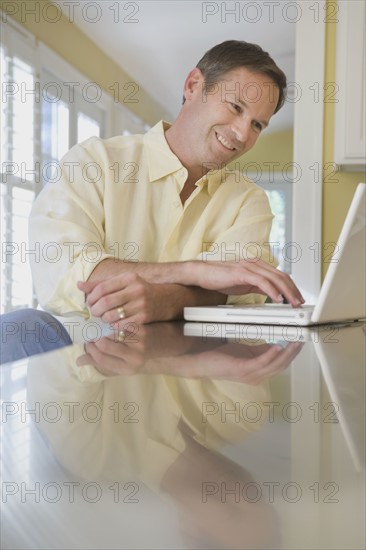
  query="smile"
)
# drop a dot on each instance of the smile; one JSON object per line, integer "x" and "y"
{"x": 224, "y": 142}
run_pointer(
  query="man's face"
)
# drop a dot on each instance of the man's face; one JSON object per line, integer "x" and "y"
{"x": 225, "y": 121}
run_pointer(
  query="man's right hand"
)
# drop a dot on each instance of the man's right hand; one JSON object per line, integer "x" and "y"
{"x": 246, "y": 277}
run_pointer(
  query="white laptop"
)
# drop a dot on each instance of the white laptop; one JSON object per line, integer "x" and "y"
{"x": 343, "y": 294}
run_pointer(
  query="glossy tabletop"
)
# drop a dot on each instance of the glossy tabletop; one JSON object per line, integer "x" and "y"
{"x": 187, "y": 436}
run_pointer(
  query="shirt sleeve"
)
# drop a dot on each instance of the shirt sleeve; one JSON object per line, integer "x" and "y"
{"x": 67, "y": 230}
{"x": 248, "y": 237}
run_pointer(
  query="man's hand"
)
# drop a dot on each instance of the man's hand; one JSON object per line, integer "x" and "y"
{"x": 142, "y": 302}
{"x": 242, "y": 277}
{"x": 245, "y": 277}
{"x": 160, "y": 291}
{"x": 128, "y": 298}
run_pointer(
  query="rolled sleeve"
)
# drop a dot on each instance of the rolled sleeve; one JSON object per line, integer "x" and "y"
{"x": 66, "y": 229}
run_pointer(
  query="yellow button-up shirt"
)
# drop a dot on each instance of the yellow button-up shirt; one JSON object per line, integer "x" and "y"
{"x": 119, "y": 198}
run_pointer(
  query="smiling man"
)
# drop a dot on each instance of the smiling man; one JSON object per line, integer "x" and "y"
{"x": 222, "y": 120}
{"x": 151, "y": 223}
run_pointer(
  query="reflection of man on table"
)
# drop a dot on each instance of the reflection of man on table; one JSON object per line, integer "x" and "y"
{"x": 145, "y": 223}
{"x": 160, "y": 434}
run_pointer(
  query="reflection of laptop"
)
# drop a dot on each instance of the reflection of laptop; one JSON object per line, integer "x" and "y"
{"x": 343, "y": 367}
{"x": 340, "y": 351}
{"x": 342, "y": 296}
{"x": 274, "y": 333}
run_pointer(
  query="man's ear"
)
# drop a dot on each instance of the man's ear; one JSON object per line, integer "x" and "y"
{"x": 194, "y": 82}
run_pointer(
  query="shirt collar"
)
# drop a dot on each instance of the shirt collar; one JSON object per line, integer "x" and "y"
{"x": 162, "y": 161}
{"x": 213, "y": 179}
{"x": 160, "y": 158}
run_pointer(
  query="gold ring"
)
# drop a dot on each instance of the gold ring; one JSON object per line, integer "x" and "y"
{"x": 121, "y": 312}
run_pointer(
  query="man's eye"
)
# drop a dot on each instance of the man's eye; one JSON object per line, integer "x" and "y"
{"x": 236, "y": 107}
{"x": 258, "y": 126}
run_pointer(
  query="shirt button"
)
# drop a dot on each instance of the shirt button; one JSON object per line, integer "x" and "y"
{"x": 177, "y": 204}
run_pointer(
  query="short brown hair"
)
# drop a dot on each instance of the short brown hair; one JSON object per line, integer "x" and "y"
{"x": 232, "y": 54}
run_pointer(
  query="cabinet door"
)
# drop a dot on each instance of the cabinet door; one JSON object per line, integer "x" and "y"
{"x": 350, "y": 116}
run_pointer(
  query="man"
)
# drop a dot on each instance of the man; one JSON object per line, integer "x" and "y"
{"x": 166, "y": 201}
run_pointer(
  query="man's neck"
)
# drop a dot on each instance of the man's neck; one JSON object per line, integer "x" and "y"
{"x": 188, "y": 189}
{"x": 194, "y": 172}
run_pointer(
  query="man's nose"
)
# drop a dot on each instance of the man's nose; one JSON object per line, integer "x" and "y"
{"x": 241, "y": 129}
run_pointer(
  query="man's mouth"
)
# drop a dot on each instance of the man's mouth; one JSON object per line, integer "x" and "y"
{"x": 225, "y": 142}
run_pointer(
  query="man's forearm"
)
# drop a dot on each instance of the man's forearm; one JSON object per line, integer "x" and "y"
{"x": 172, "y": 298}
{"x": 228, "y": 278}
{"x": 165, "y": 272}
{"x": 114, "y": 284}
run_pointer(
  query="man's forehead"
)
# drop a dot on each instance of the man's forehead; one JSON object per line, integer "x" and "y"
{"x": 242, "y": 77}
{"x": 244, "y": 84}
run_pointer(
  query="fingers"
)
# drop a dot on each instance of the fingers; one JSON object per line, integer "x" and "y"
{"x": 111, "y": 307}
{"x": 271, "y": 362}
{"x": 87, "y": 286}
{"x": 113, "y": 356}
{"x": 277, "y": 284}
{"x": 104, "y": 363}
{"x": 119, "y": 298}
{"x": 280, "y": 359}
{"x": 247, "y": 276}
{"x": 100, "y": 289}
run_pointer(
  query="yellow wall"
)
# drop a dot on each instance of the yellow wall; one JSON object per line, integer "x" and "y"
{"x": 337, "y": 195}
{"x": 276, "y": 148}
{"x": 76, "y": 48}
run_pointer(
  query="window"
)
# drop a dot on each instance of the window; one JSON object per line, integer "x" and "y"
{"x": 126, "y": 123}
{"x": 19, "y": 176}
{"x": 280, "y": 198}
{"x": 43, "y": 114}
{"x": 55, "y": 133}
{"x": 67, "y": 117}
{"x": 279, "y": 193}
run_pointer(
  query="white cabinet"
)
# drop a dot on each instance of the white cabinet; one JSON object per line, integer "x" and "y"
{"x": 350, "y": 116}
